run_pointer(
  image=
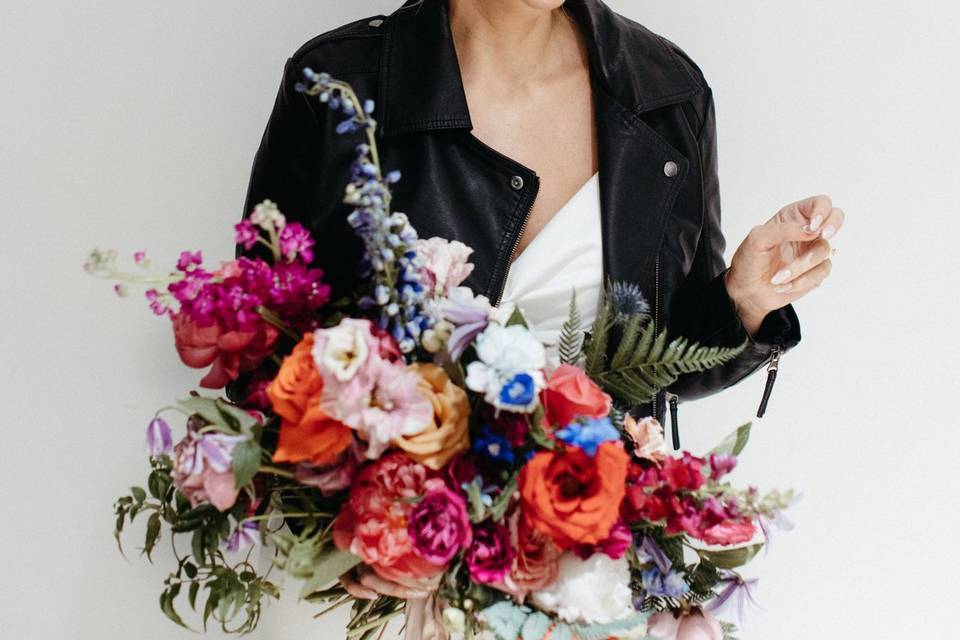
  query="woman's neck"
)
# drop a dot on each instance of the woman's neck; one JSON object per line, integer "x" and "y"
{"x": 510, "y": 39}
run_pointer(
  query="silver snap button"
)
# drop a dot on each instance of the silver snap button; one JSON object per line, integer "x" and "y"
{"x": 516, "y": 182}
{"x": 670, "y": 169}
{"x": 376, "y": 22}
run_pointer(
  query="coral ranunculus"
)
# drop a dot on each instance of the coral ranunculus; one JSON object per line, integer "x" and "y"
{"x": 230, "y": 352}
{"x": 447, "y": 435}
{"x": 572, "y": 497}
{"x": 570, "y": 393}
{"x": 307, "y": 434}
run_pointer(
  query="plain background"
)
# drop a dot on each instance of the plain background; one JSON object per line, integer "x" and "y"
{"x": 133, "y": 125}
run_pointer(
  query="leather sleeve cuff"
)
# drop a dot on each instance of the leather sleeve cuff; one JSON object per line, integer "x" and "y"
{"x": 726, "y": 327}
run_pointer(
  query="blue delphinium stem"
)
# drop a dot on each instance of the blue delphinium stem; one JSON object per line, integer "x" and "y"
{"x": 390, "y": 261}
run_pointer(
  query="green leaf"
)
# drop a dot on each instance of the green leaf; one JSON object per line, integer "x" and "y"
{"x": 246, "y": 462}
{"x": 138, "y": 493}
{"x": 152, "y": 535}
{"x": 571, "y": 334}
{"x": 500, "y": 505}
{"x": 237, "y": 418}
{"x": 734, "y": 443}
{"x": 517, "y": 318}
{"x": 330, "y": 566}
{"x": 731, "y": 558}
{"x": 166, "y": 605}
{"x": 206, "y": 408}
{"x": 192, "y": 594}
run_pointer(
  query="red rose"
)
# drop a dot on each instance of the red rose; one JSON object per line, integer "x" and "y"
{"x": 570, "y": 393}
{"x": 230, "y": 352}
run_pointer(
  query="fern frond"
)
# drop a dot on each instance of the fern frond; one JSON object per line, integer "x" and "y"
{"x": 595, "y": 354}
{"x": 571, "y": 334}
{"x": 655, "y": 364}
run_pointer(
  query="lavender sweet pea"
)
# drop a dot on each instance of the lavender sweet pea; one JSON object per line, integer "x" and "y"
{"x": 159, "y": 439}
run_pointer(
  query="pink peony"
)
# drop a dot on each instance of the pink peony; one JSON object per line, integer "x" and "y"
{"x": 695, "y": 625}
{"x": 439, "y": 525}
{"x": 491, "y": 554}
{"x": 445, "y": 264}
{"x": 372, "y": 523}
{"x": 230, "y": 352}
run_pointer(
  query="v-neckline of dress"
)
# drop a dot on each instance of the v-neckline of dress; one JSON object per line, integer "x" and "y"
{"x": 552, "y": 220}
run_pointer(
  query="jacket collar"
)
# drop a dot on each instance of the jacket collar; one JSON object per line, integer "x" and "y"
{"x": 421, "y": 88}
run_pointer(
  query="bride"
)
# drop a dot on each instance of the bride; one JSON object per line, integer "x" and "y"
{"x": 568, "y": 146}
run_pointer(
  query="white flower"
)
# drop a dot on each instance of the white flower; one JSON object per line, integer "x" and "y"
{"x": 266, "y": 214}
{"x": 343, "y": 349}
{"x": 594, "y": 591}
{"x": 509, "y": 372}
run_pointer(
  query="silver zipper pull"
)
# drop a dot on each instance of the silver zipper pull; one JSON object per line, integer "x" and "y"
{"x": 771, "y": 378}
{"x": 674, "y": 399}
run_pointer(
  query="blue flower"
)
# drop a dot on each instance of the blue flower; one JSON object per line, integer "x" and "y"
{"x": 655, "y": 583}
{"x": 493, "y": 446}
{"x": 589, "y": 435}
{"x": 519, "y": 391}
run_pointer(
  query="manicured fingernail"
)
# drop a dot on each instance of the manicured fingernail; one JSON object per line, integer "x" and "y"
{"x": 815, "y": 223}
{"x": 780, "y": 276}
{"x": 828, "y": 231}
{"x": 783, "y": 288}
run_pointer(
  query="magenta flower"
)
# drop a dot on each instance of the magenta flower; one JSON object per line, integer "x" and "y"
{"x": 490, "y": 557}
{"x": 189, "y": 259}
{"x": 159, "y": 440}
{"x": 141, "y": 259}
{"x": 614, "y": 545}
{"x": 439, "y": 525}
{"x": 246, "y": 234}
{"x": 296, "y": 241}
{"x": 721, "y": 465}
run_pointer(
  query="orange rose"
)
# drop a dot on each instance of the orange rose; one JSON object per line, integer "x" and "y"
{"x": 447, "y": 435}
{"x": 306, "y": 432}
{"x": 570, "y": 393}
{"x": 572, "y": 497}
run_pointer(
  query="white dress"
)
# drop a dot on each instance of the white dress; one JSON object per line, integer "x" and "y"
{"x": 566, "y": 255}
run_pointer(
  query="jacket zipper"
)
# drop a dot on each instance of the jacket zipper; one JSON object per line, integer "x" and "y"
{"x": 772, "y": 367}
{"x": 656, "y": 324}
{"x": 516, "y": 243}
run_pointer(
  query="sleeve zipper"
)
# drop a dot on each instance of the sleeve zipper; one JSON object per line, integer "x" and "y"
{"x": 772, "y": 366}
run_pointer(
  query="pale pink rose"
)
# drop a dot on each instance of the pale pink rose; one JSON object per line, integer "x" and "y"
{"x": 398, "y": 407}
{"x": 445, "y": 264}
{"x": 647, "y": 436}
{"x": 695, "y": 625}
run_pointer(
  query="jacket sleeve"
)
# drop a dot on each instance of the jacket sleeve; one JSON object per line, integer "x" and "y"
{"x": 702, "y": 310}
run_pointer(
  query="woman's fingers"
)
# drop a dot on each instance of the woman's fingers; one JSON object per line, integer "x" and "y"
{"x": 810, "y": 279}
{"x": 817, "y": 253}
{"x": 372, "y": 581}
{"x": 765, "y": 237}
{"x": 832, "y": 223}
{"x": 356, "y": 589}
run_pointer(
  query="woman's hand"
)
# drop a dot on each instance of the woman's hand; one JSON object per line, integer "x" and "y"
{"x": 783, "y": 259}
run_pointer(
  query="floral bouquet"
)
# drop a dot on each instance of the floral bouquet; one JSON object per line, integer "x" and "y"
{"x": 408, "y": 449}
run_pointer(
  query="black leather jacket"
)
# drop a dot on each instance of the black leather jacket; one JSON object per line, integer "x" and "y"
{"x": 660, "y": 196}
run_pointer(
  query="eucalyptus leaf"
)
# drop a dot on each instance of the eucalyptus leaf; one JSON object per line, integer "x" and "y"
{"x": 731, "y": 558}
{"x": 329, "y": 566}
{"x": 152, "y": 535}
{"x": 734, "y": 443}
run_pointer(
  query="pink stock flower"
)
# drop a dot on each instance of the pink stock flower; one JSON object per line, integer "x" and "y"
{"x": 695, "y": 625}
{"x": 721, "y": 465}
{"x": 491, "y": 555}
{"x": 189, "y": 259}
{"x": 141, "y": 258}
{"x": 439, "y": 525}
{"x": 246, "y": 234}
{"x": 295, "y": 241}
{"x": 445, "y": 264}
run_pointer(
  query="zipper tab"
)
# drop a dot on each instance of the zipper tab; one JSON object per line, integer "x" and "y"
{"x": 674, "y": 400}
{"x": 774, "y": 364}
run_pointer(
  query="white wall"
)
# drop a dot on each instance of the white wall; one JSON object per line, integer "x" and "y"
{"x": 133, "y": 125}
